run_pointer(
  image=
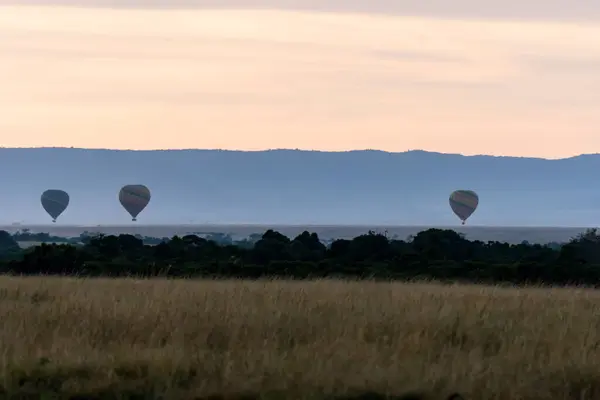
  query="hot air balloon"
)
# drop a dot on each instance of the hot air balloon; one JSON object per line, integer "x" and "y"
{"x": 55, "y": 202}
{"x": 464, "y": 203}
{"x": 134, "y": 198}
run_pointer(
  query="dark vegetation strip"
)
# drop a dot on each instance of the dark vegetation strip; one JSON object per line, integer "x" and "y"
{"x": 442, "y": 255}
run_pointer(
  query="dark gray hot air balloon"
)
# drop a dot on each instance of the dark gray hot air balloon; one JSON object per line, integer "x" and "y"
{"x": 134, "y": 198}
{"x": 464, "y": 203}
{"x": 55, "y": 202}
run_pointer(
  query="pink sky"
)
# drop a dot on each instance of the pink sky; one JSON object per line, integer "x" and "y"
{"x": 258, "y": 79}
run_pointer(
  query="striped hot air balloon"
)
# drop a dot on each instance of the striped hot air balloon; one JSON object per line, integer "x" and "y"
{"x": 464, "y": 203}
{"x": 55, "y": 202}
{"x": 134, "y": 198}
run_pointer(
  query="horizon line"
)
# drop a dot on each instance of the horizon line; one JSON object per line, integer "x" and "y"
{"x": 293, "y": 149}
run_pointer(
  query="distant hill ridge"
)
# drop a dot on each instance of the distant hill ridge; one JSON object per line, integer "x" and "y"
{"x": 301, "y": 187}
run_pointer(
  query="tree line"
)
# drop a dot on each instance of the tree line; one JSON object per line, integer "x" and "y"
{"x": 438, "y": 254}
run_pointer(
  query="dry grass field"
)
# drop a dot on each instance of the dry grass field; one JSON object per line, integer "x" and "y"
{"x": 294, "y": 340}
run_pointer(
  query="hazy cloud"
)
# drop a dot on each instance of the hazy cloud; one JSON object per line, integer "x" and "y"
{"x": 512, "y": 9}
{"x": 586, "y": 64}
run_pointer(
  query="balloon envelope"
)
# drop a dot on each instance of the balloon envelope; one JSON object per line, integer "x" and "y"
{"x": 464, "y": 203}
{"x": 55, "y": 202}
{"x": 134, "y": 198}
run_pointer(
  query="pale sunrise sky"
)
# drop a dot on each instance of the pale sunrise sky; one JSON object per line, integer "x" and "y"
{"x": 474, "y": 79}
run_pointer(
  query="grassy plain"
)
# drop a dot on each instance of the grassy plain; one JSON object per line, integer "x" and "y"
{"x": 191, "y": 339}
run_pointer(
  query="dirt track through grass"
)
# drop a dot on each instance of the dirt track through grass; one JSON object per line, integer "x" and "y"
{"x": 181, "y": 339}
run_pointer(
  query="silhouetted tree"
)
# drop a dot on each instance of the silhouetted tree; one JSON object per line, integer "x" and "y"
{"x": 432, "y": 254}
{"x": 8, "y": 244}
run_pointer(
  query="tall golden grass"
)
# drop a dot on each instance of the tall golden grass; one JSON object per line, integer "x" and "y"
{"x": 186, "y": 339}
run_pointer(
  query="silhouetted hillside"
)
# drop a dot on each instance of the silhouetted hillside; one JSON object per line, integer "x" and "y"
{"x": 289, "y": 186}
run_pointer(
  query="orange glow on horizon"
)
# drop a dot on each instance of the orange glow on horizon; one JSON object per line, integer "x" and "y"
{"x": 252, "y": 80}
